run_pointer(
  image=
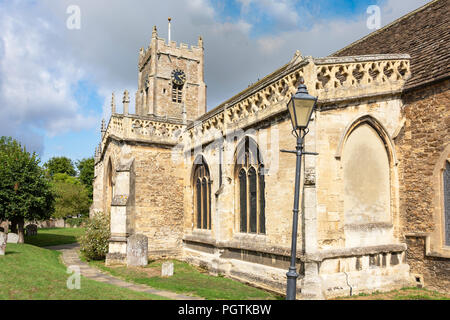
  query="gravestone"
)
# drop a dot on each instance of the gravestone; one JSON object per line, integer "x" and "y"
{"x": 2, "y": 243}
{"x": 31, "y": 230}
{"x": 137, "y": 250}
{"x": 13, "y": 238}
{"x": 167, "y": 269}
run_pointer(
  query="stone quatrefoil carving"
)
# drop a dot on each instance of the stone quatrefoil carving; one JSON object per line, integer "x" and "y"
{"x": 154, "y": 128}
{"x": 332, "y": 79}
{"x": 251, "y": 105}
{"x": 333, "y": 76}
{"x": 353, "y": 74}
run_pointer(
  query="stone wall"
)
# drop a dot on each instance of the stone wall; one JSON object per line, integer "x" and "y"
{"x": 423, "y": 145}
{"x": 336, "y": 125}
{"x": 159, "y": 200}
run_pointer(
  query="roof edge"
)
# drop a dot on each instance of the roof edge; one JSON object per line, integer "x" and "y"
{"x": 425, "y": 6}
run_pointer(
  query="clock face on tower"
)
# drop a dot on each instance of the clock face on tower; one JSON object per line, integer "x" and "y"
{"x": 178, "y": 77}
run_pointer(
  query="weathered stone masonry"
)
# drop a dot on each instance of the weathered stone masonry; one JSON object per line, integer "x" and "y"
{"x": 371, "y": 194}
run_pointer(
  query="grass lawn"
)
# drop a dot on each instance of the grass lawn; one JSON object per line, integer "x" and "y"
{"x": 188, "y": 279}
{"x": 54, "y": 236}
{"x": 401, "y": 294}
{"x": 29, "y": 272}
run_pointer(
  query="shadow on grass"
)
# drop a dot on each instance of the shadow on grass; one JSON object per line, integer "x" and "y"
{"x": 46, "y": 240}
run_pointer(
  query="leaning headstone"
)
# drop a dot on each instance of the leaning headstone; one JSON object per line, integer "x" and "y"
{"x": 13, "y": 238}
{"x": 31, "y": 229}
{"x": 167, "y": 269}
{"x": 137, "y": 250}
{"x": 3, "y": 237}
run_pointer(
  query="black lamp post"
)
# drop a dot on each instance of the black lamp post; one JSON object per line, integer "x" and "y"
{"x": 300, "y": 107}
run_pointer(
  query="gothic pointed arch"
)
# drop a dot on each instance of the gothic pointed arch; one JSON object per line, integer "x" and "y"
{"x": 201, "y": 184}
{"x": 108, "y": 185}
{"x": 378, "y": 127}
{"x": 250, "y": 187}
{"x": 367, "y": 161}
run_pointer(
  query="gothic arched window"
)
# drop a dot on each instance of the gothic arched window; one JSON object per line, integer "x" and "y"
{"x": 202, "y": 194}
{"x": 251, "y": 185}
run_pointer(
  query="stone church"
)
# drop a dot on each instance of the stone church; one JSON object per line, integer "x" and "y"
{"x": 212, "y": 187}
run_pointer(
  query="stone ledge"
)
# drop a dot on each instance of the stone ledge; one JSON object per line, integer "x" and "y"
{"x": 368, "y": 226}
{"x": 238, "y": 244}
{"x": 358, "y": 251}
{"x": 282, "y": 251}
{"x": 361, "y": 58}
{"x": 118, "y": 238}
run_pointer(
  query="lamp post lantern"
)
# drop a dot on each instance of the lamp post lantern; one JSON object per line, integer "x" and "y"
{"x": 300, "y": 107}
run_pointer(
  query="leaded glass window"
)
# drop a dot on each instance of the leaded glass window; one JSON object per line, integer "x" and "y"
{"x": 250, "y": 175}
{"x": 202, "y": 194}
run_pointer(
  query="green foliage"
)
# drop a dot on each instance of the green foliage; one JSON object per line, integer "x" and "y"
{"x": 72, "y": 197}
{"x": 64, "y": 177}
{"x": 60, "y": 165}
{"x": 94, "y": 243}
{"x": 86, "y": 173}
{"x": 75, "y": 222}
{"x": 25, "y": 191}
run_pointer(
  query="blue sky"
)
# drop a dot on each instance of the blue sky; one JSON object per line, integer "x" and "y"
{"x": 56, "y": 83}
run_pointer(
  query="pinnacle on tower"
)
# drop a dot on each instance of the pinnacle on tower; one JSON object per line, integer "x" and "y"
{"x": 155, "y": 32}
{"x": 103, "y": 129}
{"x": 169, "y": 37}
{"x": 126, "y": 102}
{"x": 113, "y": 104}
{"x": 200, "y": 42}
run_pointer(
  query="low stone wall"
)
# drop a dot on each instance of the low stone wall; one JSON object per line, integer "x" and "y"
{"x": 342, "y": 272}
{"x": 56, "y": 223}
{"x": 59, "y": 223}
{"x": 365, "y": 272}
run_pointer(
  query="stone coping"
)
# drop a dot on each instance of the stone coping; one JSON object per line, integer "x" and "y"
{"x": 284, "y": 251}
{"x": 360, "y": 58}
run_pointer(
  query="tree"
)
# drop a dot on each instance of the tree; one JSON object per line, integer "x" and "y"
{"x": 60, "y": 165}
{"x": 71, "y": 197}
{"x": 25, "y": 189}
{"x": 86, "y": 174}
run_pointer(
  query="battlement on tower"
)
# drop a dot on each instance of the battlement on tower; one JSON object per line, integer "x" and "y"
{"x": 162, "y": 46}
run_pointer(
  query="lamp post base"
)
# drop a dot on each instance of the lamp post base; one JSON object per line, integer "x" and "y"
{"x": 291, "y": 289}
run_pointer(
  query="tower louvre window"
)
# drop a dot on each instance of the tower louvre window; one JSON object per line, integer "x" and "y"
{"x": 177, "y": 93}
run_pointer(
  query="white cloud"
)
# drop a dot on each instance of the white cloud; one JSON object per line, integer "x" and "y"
{"x": 41, "y": 60}
{"x": 36, "y": 90}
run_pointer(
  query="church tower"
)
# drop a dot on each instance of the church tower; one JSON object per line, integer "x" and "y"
{"x": 171, "y": 80}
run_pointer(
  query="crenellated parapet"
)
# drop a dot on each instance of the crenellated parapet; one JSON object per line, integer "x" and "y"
{"x": 333, "y": 80}
{"x": 140, "y": 129}
{"x": 193, "y": 52}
